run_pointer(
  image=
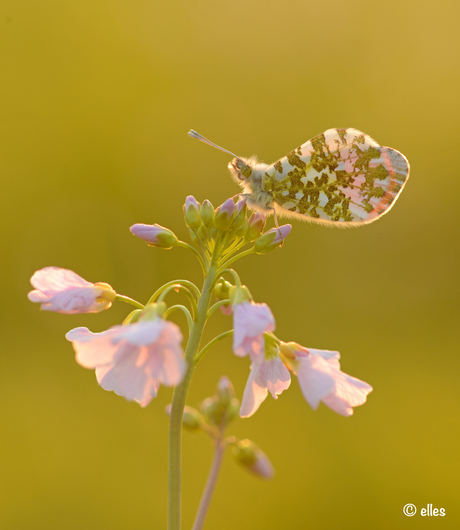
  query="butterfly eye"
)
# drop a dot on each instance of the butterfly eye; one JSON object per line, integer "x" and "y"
{"x": 243, "y": 170}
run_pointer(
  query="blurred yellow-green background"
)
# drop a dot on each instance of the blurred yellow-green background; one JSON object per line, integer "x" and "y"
{"x": 96, "y": 98}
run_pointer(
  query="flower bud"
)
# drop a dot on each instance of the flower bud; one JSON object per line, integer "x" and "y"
{"x": 224, "y": 215}
{"x": 211, "y": 410}
{"x": 153, "y": 311}
{"x": 240, "y": 294}
{"x": 225, "y": 391}
{"x": 192, "y": 419}
{"x": 233, "y": 409}
{"x": 242, "y": 231}
{"x": 272, "y": 239}
{"x": 155, "y": 235}
{"x": 256, "y": 225}
{"x": 207, "y": 213}
{"x": 192, "y": 212}
{"x": 222, "y": 292}
{"x": 240, "y": 214}
{"x": 249, "y": 455}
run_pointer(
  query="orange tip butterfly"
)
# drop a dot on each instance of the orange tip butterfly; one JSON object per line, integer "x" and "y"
{"x": 341, "y": 177}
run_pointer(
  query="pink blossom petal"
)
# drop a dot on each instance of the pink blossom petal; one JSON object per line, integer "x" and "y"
{"x": 315, "y": 379}
{"x": 349, "y": 392}
{"x": 64, "y": 291}
{"x": 321, "y": 379}
{"x": 250, "y": 322}
{"x": 126, "y": 378}
{"x": 53, "y": 279}
{"x": 133, "y": 360}
{"x": 266, "y": 376}
{"x": 93, "y": 349}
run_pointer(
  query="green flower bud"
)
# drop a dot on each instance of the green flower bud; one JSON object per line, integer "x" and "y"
{"x": 155, "y": 235}
{"x": 192, "y": 212}
{"x": 256, "y": 225}
{"x": 242, "y": 231}
{"x": 272, "y": 239}
{"x": 249, "y": 455}
{"x": 240, "y": 214}
{"x": 225, "y": 391}
{"x": 207, "y": 213}
{"x": 224, "y": 215}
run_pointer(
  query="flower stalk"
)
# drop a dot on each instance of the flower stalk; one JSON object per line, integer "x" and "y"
{"x": 133, "y": 359}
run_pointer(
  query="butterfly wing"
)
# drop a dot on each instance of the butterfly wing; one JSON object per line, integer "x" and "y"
{"x": 342, "y": 176}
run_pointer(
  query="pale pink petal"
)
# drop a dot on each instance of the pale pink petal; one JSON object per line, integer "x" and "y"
{"x": 250, "y": 322}
{"x": 332, "y": 357}
{"x": 168, "y": 366}
{"x": 133, "y": 360}
{"x": 275, "y": 376}
{"x": 321, "y": 379}
{"x": 52, "y": 279}
{"x": 254, "y": 394}
{"x": 126, "y": 378}
{"x": 93, "y": 349}
{"x": 64, "y": 291}
{"x": 144, "y": 332}
{"x": 348, "y": 392}
{"x": 315, "y": 379}
{"x": 267, "y": 375}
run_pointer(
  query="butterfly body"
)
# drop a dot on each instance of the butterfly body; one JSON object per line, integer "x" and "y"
{"x": 341, "y": 177}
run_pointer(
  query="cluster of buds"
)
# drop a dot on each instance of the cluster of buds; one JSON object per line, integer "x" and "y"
{"x": 214, "y": 415}
{"x": 231, "y": 221}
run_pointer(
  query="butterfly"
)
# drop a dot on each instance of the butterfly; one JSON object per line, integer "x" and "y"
{"x": 341, "y": 177}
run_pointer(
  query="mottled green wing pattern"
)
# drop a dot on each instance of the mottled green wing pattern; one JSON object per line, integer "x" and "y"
{"x": 341, "y": 176}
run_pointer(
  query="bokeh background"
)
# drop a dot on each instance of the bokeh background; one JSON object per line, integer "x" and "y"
{"x": 96, "y": 98}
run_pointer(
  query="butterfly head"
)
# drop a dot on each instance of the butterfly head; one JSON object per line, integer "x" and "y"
{"x": 239, "y": 169}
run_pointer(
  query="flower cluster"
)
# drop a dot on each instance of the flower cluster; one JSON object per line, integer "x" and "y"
{"x": 133, "y": 359}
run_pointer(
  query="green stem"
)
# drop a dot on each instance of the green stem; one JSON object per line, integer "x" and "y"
{"x": 186, "y": 312}
{"x": 212, "y": 342}
{"x": 217, "y": 305}
{"x": 237, "y": 257}
{"x": 210, "y": 485}
{"x": 178, "y": 402}
{"x": 129, "y": 300}
{"x": 184, "y": 283}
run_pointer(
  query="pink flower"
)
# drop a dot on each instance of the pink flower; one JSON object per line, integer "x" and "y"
{"x": 132, "y": 360}
{"x": 63, "y": 291}
{"x": 321, "y": 379}
{"x": 250, "y": 322}
{"x": 267, "y": 375}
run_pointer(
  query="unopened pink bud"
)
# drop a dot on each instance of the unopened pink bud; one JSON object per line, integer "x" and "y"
{"x": 192, "y": 212}
{"x": 249, "y": 455}
{"x": 155, "y": 235}
{"x": 224, "y": 215}
{"x": 256, "y": 225}
{"x": 272, "y": 239}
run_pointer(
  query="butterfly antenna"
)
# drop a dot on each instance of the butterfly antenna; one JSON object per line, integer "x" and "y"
{"x": 198, "y": 136}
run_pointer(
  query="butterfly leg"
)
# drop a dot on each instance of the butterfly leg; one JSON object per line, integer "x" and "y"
{"x": 275, "y": 218}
